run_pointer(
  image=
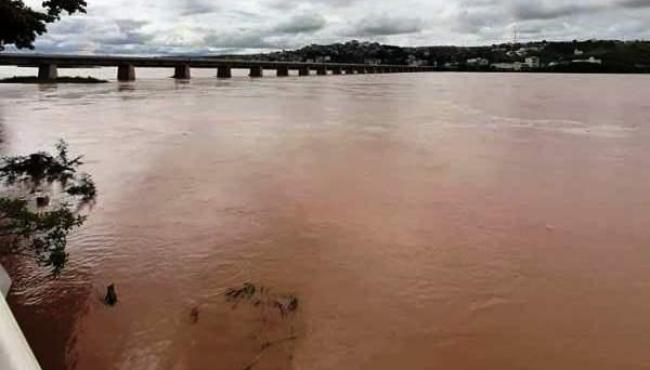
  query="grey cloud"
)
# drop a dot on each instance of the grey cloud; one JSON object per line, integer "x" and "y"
{"x": 634, "y": 4}
{"x": 526, "y": 10}
{"x": 386, "y": 25}
{"x": 130, "y": 32}
{"x": 243, "y": 39}
{"x": 474, "y": 20}
{"x": 536, "y": 10}
{"x": 127, "y": 25}
{"x": 196, "y": 7}
{"x": 295, "y": 4}
{"x": 189, "y": 26}
{"x": 303, "y": 23}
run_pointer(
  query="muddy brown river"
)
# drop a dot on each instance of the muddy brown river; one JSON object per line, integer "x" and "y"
{"x": 423, "y": 221}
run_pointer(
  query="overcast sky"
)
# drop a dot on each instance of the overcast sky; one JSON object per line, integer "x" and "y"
{"x": 233, "y": 26}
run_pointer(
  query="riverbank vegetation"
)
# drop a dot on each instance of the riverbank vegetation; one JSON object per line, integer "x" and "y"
{"x": 40, "y": 204}
{"x": 66, "y": 80}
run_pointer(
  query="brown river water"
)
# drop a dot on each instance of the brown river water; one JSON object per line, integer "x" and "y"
{"x": 424, "y": 221}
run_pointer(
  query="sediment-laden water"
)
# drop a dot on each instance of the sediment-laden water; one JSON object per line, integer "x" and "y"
{"x": 423, "y": 221}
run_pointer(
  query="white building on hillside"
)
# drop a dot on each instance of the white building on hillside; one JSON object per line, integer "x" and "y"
{"x": 477, "y": 62}
{"x": 591, "y": 60}
{"x": 516, "y": 66}
{"x": 533, "y": 62}
{"x": 372, "y": 61}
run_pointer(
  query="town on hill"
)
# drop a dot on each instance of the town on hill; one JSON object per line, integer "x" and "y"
{"x": 594, "y": 56}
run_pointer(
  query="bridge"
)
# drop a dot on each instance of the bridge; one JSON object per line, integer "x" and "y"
{"x": 47, "y": 65}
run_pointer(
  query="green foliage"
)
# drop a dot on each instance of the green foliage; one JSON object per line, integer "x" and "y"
{"x": 43, "y": 232}
{"x": 84, "y": 187}
{"x": 21, "y": 24}
{"x": 39, "y": 168}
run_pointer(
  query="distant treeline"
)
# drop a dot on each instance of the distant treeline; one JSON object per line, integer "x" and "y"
{"x": 613, "y": 56}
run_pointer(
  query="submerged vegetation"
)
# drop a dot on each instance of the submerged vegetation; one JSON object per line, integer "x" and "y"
{"x": 36, "y": 80}
{"x": 275, "y": 310}
{"x": 285, "y": 303}
{"x": 29, "y": 224}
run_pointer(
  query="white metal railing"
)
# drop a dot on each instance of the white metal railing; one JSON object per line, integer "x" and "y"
{"x": 15, "y": 353}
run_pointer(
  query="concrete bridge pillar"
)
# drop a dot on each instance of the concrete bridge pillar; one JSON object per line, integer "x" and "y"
{"x": 303, "y": 71}
{"x": 256, "y": 72}
{"x": 321, "y": 71}
{"x": 282, "y": 71}
{"x": 371, "y": 70}
{"x": 224, "y": 72}
{"x": 182, "y": 72}
{"x": 126, "y": 72}
{"x": 349, "y": 71}
{"x": 337, "y": 71}
{"x": 47, "y": 72}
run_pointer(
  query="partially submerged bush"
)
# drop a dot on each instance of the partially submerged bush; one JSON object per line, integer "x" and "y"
{"x": 43, "y": 232}
{"x": 83, "y": 187}
{"x": 275, "y": 329}
{"x": 261, "y": 295}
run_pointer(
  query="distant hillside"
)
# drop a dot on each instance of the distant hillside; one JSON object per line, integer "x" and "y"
{"x": 574, "y": 56}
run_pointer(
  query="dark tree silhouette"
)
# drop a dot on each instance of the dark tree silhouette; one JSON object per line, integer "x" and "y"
{"x": 21, "y": 24}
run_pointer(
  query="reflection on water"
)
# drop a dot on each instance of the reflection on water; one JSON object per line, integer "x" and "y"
{"x": 457, "y": 221}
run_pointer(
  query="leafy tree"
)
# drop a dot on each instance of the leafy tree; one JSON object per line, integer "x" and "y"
{"x": 42, "y": 229}
{"x": 21, "y": 24}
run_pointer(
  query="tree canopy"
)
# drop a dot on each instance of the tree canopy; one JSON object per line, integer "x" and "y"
{"x": 22, "y": 24}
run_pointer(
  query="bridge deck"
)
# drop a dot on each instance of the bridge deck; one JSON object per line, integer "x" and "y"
{"x": 27, "y": 60}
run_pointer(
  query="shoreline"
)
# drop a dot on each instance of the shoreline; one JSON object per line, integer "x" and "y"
{"x": 36, "y": 80}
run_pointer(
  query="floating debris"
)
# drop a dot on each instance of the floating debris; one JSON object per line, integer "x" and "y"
{"x": 194, "y": 314}
{"x": 111, "y": 295}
